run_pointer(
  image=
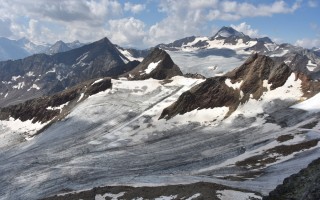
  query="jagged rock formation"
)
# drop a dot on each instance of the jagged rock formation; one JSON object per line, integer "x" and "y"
{"x": 303, "y": 185}
{"x": 43, "y": 74}
{"x": 47, "y": 108}
{"x": 248, "y": 82}
{"x": 157, "y": 65}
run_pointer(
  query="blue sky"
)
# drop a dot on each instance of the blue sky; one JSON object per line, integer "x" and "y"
{"x": 142, "y": 24}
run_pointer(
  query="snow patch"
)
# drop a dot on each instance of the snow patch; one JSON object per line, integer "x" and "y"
{"x": 311, "y": 66}
{"x": 112, "y": 196}
{"x": 19, "y": 86}
{"x": 151, "y": 67}
{"x": 232, "y": 195}
{"x": 235, "y": 86}
{"x": 97, "y": 81}
{"x": 129, "y": 56}
{"x": 14, "y": 78}
{"x": 310, "y": 105}
{"x": 30, "y": 73}
{"x": 194, "y": 196}
{"x": 58, "y": 107}
{"x": 81, "y": 97}
{"x": 34, "y": 86}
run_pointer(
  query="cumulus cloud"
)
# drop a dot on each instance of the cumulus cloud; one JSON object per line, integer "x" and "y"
{"x": 246, "y": 29}
{"x": 134, "y": 8}
{"x": 89, "y": 20}
{"x": 308, "y": 43}
{"x": 5, "y": 30}
{"x": 127, "y": 31}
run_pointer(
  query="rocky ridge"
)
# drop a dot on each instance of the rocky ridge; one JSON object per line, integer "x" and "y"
{"x": 55, "y": 107}
{"x": 43, "y": 74}
{"x": 157, "y": 65}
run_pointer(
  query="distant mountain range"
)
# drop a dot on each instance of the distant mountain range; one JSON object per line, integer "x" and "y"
{"x": 17, "y": 49}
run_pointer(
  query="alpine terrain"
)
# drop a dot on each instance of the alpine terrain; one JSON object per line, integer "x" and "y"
{"x": 220, "y": 117}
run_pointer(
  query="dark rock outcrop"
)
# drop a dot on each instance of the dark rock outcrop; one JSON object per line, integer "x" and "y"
{"x": 157, "y": 65}
{"x": 255, "y": 70}
{"x": 211, "y": 93}
{"x": 303, "y": 185}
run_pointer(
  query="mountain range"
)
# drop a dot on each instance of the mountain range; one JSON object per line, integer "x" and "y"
{"x": 18, "y": 49}
{"x": 227, "y": 116}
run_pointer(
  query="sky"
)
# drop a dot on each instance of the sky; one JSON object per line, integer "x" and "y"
{"x": 145, "y": 23}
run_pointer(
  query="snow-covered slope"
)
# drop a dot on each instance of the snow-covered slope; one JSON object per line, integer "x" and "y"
{"x": 115, "y": 138}
{"x": 228, "y": 48}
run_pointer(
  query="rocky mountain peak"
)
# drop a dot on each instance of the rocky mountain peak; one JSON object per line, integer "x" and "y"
{"x": 158, "y": 65}
{"x": 226, "y": 32}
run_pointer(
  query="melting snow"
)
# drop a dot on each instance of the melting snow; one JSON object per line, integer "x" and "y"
{"x": 34, "y": 86}
{"x": 14, "y": 130}
{"x": 151, "y": 67}
{"x": 232, "y": 195}
{"x": 14, "y": 78}
{"x": 30, "y": 73}
{"x": 233, "y": 85}
{"x": 194, "y": 196}
{"x": 311, "y": 66}
{"x": 112, "y": 196}
{"x": 19, "y": 86}
{"x": 311, "y": 105}
{"x": 58, "y": 107}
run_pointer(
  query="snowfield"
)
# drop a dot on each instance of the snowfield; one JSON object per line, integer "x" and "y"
{"x": 115, "y": 138}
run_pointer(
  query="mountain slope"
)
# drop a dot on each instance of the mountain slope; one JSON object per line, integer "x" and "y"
{"x": 36, "y": 114}
{"x": 43, "y": 74}
{"x": 252, "y": 81}
{"x": 157, "y": 65}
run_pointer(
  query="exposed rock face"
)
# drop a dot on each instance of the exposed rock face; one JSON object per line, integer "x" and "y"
{"x": 157, "y": 65}
{"x": 303, "y": 185}
{"x": 249, "y": 81}
{"x": 46, "y": 108}
{"x": 43, "y": 74}
{"x": 211, "y": 93}
{"x": 196, "y": 75}
{"x": 255, "y": 70}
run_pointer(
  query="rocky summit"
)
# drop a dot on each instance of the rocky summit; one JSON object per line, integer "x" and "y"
{"x": 157, "y": 65}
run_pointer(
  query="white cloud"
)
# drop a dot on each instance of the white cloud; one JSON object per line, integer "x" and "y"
{"x": 313, "y": 3}
{"x": 246, "y": 29}
{"x": 134, "y": 8}
{"x": 89, "y": 20}
{"x": 308, "y": 43}
{"x": 127, "y": 32}
{"x": 5, "y": 30}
